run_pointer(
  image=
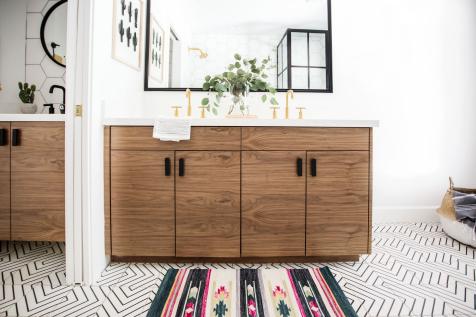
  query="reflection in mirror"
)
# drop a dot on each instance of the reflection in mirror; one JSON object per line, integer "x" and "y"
{"x": 190, "y": 39}
{"x": 53, "y": 32}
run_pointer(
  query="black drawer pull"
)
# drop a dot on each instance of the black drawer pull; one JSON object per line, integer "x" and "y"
{"x": 181, "y": 167}
{"x": 15, "y": 137}
{"x": 167, "y": 166}
{"x": 299, "y": 166}
{"x": 313, "y": 167}
{"x": 3, "y": 137}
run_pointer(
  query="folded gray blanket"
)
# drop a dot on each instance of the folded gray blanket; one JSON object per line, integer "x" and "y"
{"x": 465, "y": 208}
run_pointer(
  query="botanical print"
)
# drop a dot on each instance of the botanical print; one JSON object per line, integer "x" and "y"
{"x": 127, "y": 30}
{"x": 156, "y": 50}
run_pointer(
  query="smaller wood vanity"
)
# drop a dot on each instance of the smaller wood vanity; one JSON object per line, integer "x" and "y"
{"x": 32, "y": 180}
{"x": 239, "y": 192}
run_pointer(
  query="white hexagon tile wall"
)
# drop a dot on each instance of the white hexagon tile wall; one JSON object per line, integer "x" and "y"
{"x": 39, "y": 68}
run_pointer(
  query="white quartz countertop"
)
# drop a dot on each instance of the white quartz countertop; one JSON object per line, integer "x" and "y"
{"x": 247, "y": 122}
{"x": 31, "y": 117}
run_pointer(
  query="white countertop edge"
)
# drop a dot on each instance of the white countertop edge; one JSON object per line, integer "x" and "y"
{"x": 31, "y": 117}
{"x": 251, "y": 122}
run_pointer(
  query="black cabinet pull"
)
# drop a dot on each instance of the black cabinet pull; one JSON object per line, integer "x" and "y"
{"x": 167, "y": 166}
{"x": 299, "y": 166}
{"x": 313, "y": 167}
{"x": 15, "y": 137}
{"x": 3, "y": 137}
{"x": 181, "y": 167}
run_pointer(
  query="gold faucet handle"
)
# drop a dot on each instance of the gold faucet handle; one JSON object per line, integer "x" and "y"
{"x": 275, "y": 111}
{"x": 176, "y": 110}
{"x": 300, "y": 111}
{"x": 202, "y": 112}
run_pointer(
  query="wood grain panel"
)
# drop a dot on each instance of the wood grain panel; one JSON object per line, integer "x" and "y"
{"x": 37, "y": 182}
{"x": 338, "y": 204}
{"x": 202, "y": 138}
{"x": 273, "y": 204}
{"x": 291, "y": 138}
{"x": 5, "y": 185}
{"x": 208, "y": 204}
{"x": 107, "y": 190}
{"x": 369, "y": 248}
{"x": 142, "y": 204}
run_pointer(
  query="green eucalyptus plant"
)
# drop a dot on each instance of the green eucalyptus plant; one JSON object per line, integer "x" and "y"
{"x": 241, "y": 77}
{"x": 27, "y": 94}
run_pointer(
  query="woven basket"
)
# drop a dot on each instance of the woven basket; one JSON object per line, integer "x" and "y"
{"x": 447, "y": 208}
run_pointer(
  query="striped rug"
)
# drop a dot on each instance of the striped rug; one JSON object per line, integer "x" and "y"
{"x": 250, "y": 293}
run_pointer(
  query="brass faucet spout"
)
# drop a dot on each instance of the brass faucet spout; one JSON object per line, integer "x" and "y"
{"x": 288, "y": 93}
{"x": 188, "y": 95}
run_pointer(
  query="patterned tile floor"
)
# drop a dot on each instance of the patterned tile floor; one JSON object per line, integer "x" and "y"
{"x": 415, "y": 270}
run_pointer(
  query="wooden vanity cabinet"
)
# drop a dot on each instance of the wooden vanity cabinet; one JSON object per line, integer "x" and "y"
{"x": 249, "y": 192}
{"x": 207, "y": 196}
{"x": 4, "y": 181}
{"x": 338, "y": 222}
{"x": 37, "y": 181}
{"x": 273, "y": 203}
{"x": 142, "y": 203}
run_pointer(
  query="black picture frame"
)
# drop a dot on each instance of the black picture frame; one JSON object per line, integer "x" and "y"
{"x": 329, "y": 73}
{"x": 42, "y": 31}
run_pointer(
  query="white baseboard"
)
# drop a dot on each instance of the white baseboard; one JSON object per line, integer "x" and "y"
{"x": 404, "y": 214}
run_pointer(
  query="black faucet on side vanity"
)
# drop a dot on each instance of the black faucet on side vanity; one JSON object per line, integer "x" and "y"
{"x": 62, "y": 106}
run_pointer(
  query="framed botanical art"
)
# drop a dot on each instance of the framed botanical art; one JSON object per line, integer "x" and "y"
{"x": 127, "y": 32}
{"x": 156, "y": 51}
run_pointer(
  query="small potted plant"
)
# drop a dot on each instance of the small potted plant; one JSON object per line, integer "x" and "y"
{"x": 27, "y": 96}
{"x": 241, "y": 77}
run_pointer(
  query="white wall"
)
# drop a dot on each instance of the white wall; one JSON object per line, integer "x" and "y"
{"x": 412, "y": 65}
{"x": 409, "y": 63}
{"x": 12, "y": 51}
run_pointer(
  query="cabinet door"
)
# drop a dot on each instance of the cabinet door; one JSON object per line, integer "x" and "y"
{"x": 208, "y": 203}
{"x": 4, "y": 181}
{"x": 273, "y": 204}
{"x": 37, "y": 181}
{"x": 338, "y": 203}
{"x": 142, "y": 203}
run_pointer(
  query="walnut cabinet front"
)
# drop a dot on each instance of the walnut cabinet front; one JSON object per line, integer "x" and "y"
{"x": 32, "y": 181}
{"x": 239, "y": 192}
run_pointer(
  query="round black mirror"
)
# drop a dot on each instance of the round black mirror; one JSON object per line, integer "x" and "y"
{"x": 53, "y": 32}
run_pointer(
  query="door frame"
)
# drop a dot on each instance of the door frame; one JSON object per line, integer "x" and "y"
{"x": 77, "y": 93}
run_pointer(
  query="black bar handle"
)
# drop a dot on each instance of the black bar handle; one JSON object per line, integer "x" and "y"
{"x": 3, "y": 137}
{"x": 313, "y": 167}
{"x": 15, "y": 137}
{"x": 299, "y": 166}
{"x": 181, "y": 167}
{"x": 167, "y": 166}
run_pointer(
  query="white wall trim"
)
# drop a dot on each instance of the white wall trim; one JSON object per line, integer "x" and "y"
{"x": 391, "y": 214}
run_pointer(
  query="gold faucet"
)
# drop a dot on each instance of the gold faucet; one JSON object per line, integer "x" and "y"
{"x": 288, "y": 93}
{"x": 176, "y": 111}
{"x": 188, "y": 94}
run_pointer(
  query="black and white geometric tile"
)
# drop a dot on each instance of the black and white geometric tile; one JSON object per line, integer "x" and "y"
{"x": 414, "y": 270}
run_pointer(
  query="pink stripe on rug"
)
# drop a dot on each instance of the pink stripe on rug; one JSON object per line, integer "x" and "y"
{"x": 295, "y": 293}
{"x": 176, "y": 289}
{"x": 328, "y": 293}
{"x": 205, "y": 294}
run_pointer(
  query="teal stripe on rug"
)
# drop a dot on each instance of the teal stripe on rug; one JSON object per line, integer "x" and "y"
{"x": 160, "y": 299}
{"x": 338, "y": 293}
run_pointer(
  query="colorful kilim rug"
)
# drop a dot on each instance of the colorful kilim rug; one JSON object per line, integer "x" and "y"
{"x": 250, "y": 293}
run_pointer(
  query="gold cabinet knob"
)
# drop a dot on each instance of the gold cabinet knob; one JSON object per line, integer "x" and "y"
{"x": 275, "y": 111}
{"x": 202, "y": 112}
{"x": 176, "y": 110}
{"x": 301, "y": 116}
